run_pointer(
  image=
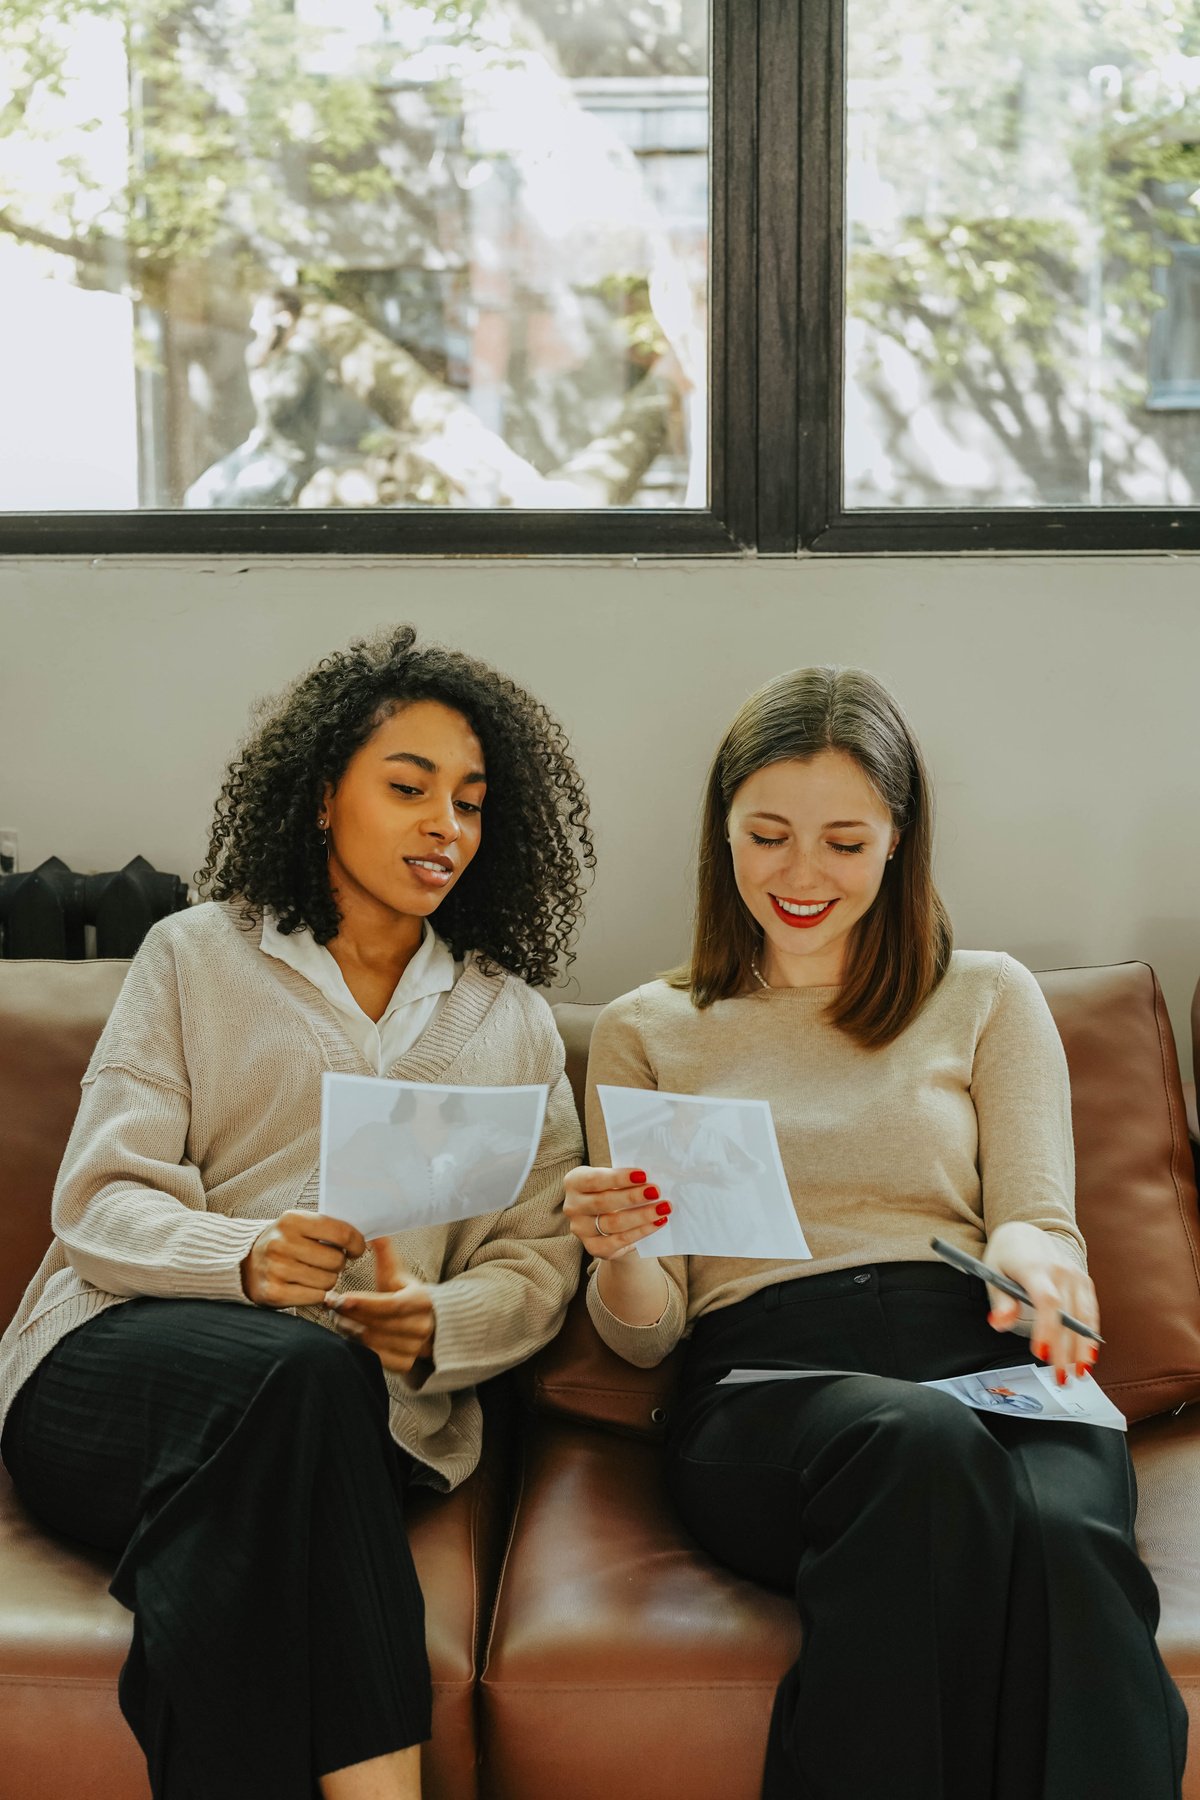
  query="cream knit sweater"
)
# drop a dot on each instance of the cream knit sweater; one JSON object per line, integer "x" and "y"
{"x": 961, "y": 1123}
{"x": 200, "y": 1122}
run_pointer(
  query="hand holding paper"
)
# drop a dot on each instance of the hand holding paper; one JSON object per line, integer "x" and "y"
{"x": 399, "y": 1155}
{"x": 717, "y": 1162}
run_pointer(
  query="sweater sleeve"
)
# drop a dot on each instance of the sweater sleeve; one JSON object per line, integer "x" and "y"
{"x": 512, "y": 1296}
{"x": 618, "y": 1058}
{"x": 1022, "y": 1096}
{"x": 129, "y": 1207}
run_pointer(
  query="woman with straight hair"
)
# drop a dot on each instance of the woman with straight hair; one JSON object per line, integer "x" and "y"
{"x": 977, "y": 1624}
{"x": 209, "y": 1377}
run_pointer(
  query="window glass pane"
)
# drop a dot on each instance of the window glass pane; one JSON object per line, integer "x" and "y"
{"x": 320, "y": 253}
{"x": 1022, "y": 279}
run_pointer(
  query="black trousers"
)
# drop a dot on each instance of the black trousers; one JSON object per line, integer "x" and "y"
{"x": 977, "y": 1622}
{"x": 240, "y": 1462}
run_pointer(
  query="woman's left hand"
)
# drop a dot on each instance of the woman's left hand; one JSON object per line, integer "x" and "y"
{"x": 398, "y": 1321}
{"x": 1055, "y": 1284}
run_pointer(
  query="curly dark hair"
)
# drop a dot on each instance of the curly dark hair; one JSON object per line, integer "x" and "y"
{"x": 517, "y": 903}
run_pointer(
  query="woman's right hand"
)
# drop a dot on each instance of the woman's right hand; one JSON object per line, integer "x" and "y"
{"x": 610, "y": 1210}
{"x": 296, "y": 1261}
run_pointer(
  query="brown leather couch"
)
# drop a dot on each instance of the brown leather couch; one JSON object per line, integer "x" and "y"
{"x": 581, "y": 1645}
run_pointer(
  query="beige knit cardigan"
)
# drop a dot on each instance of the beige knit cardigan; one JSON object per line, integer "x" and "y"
{"x": 200, "y": 1122}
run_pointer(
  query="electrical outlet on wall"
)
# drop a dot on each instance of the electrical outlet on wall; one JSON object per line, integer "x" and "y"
{"x": 10, "y": 860}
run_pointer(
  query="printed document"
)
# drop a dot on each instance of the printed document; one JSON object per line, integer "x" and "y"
{"x": 717, "y": 1162}
{"x": 1027, "y": 1391}
{"x": 399, "y": 1155}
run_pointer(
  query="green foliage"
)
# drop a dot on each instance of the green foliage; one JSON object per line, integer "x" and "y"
{"x": 1016, "y": 148}
{"x": 627, "y": 298}
{"x": 230, "y": 122}
{"x": 229, "y": 119}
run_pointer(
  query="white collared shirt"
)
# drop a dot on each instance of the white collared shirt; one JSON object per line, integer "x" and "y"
{"x": 419, "y": 995}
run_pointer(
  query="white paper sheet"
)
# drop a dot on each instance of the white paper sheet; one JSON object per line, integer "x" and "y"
{"x": 717, "y": 1162}
{"x": 399, "y": 1155}
{"x": 1027, "y": 1391}
{"x": 1030, "y": 1391}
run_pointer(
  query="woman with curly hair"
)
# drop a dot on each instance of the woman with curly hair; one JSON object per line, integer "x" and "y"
{"x": 206, "y": 1374}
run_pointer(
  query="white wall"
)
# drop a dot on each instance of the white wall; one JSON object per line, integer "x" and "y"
{"x": 1056, "y": 699}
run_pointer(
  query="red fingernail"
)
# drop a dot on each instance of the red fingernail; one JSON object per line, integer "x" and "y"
{"x": 650, "y": 1193}
{"x": 637, "y": 1176}
{"x": 1081, "y": 1368}
{"x": 1060, "y": 1375}
{"x": 658, "y": 1223}
{"x": 663, "y": 1208}
{"x": 1042, "y": 1352}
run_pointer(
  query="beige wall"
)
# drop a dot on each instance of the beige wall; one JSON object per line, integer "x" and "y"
{"x": 1057, "y": 701}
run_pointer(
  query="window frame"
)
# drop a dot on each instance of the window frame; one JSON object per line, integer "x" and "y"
{"x": 776, "y": 369}
{"x": 828, "y": 527}
{"x": 744, "y": 91}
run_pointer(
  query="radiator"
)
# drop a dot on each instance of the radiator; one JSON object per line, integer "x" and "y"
{"x": 52, "y": 912}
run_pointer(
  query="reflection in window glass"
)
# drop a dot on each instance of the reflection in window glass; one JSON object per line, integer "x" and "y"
{"x": 1023, "y": 211}
{"x": 328, "y": 253}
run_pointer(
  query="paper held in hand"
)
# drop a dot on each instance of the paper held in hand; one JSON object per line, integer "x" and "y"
{"x": 717, "y": 1162}
{"x": 399, "y": 1155}
{"x": 1027, "y": 1391}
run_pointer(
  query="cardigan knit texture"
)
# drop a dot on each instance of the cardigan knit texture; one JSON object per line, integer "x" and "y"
{"x": 960, "y": 1124}
{"x": 199, "y": 1124}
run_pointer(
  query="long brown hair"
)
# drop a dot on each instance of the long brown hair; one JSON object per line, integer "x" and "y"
{"x": 900, "y": 949}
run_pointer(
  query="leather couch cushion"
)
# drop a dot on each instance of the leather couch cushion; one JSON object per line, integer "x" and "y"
{"x": 1135, "y": 1196}
{"x": 1166, "y": 1455}
{"x": 63, "y": 1638}
{"x": 623, "y": 1660}
{"x": 578, "y": 1377}
{"x": 51, "y": 1014}
{"x": 1135, "y": 1187}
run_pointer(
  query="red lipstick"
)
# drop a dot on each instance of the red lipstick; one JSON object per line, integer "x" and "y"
{"x": 802, "y": 924}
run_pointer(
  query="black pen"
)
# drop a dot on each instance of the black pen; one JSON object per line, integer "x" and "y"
{"x": 971, "y": 1265}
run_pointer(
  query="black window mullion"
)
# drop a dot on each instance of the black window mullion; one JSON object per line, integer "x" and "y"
{"x": 733, "y": 401}
{"x": 820, "y": 327}
{"x": 778, "y": 207}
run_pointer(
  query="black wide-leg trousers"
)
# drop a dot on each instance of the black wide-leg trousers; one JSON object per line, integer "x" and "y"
{"x": 240, "y": 1461}
{"x": 977, "y": 1622}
